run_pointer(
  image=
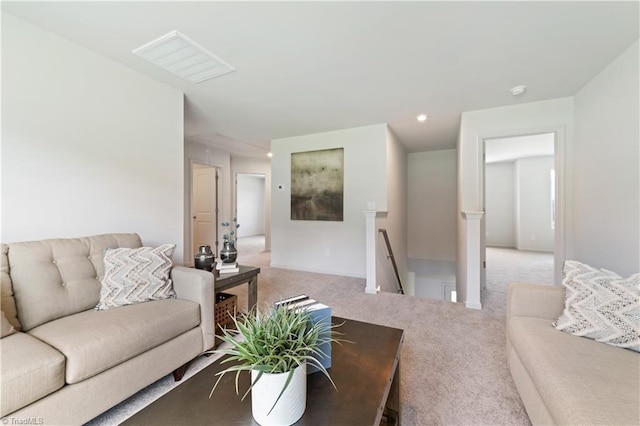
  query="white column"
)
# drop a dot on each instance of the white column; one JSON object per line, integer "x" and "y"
{"x": 473, "y": 259}
{"x": 370, "y": 230}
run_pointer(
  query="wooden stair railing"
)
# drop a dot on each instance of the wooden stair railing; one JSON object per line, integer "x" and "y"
{"x": 393, "y": 260}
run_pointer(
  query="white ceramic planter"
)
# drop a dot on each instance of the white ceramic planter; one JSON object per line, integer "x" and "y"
{"x": 291, "y": 405}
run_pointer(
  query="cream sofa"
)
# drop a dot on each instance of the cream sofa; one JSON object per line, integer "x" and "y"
{"x": 67, "y": 363}
{"x": 561, "y": 378}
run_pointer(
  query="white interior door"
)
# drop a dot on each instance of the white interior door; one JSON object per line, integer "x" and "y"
{"x": 204, "y": 206}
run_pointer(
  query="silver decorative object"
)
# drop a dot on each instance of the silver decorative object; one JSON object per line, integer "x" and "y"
{"x": 204, "y": 258}
{"x": 228, "y": 254}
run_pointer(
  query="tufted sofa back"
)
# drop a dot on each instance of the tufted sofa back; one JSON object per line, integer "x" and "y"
{"x": 7, "y": 301}
{"x": 55, "y": 278}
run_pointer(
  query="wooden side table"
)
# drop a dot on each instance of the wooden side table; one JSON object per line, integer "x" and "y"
{"x": 246, "y": 275}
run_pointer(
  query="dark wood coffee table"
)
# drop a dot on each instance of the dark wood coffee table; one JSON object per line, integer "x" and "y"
{"x": 367, "y": 374}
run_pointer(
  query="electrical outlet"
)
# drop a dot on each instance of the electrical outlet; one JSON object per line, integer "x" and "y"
{"x": 327, "y": 252}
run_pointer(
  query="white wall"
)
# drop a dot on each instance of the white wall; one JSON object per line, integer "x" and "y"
{"x": 431, "y": 276}
{"x": 500, "y": 204}
{"x": 330, "y": 247}
{"x": 261, "y": 166}
{"x": 533, "y": 203}
{"x": 432, "y": 205}
{"x": 250, "y": 204}
{"x": 555, "y": 115}
{"x": 395, "y": 221}
{"x": 606, "y": 188}
{"x": 203, "y": 154}
{"x": 518, "y": 204}
{"x": 88, "y": 146}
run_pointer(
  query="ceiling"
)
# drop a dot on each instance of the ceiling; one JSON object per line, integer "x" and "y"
{"x": 308, "y": 67}
{"x": 512, "y": 148}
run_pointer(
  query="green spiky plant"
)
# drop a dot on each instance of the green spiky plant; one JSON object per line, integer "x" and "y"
{"x": 274, "y": 341}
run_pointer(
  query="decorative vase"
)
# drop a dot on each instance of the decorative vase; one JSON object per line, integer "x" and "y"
{"x": 228, "y": 254}
{"x": 291, "y": 405}
{"x": 204, "y": 258}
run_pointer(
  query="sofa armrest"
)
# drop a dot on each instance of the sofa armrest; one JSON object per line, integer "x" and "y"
{"x": 534, "y": 300}
{"x": 198, "y": 286}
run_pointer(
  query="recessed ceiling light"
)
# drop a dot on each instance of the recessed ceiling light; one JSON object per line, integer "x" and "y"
{"x": 518, "y": 90}
{"x": 176, "y": 53}
{"x": 269, "y": 154}
{"x": 422, "y": 117}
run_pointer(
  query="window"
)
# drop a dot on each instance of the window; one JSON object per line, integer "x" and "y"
{"x": 553, "y": 199}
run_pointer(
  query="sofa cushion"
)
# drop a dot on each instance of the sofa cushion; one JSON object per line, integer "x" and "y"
{"x": 601, "y": 305}
{"x": 7, "y": 301}
{"x": 60, "y": 277}
{"x": 136, "y": 275}
{"x": 31, "y": 369}
{"x": 7, "y": 328}
{"x": 581, "y": 381}
{"x": 94, "y": 341}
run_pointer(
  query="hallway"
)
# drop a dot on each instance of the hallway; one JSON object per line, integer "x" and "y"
{"x": 251, "y": 251}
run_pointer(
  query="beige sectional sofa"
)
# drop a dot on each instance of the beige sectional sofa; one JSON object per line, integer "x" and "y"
{"x": 66, "y": 362}
{"x": 565, "y": 379}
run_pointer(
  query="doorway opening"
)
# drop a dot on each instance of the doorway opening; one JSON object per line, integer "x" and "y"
{"x": 204, "y": 207}
{"x": 519, "y": 225}
{"x": 251, "y": 213}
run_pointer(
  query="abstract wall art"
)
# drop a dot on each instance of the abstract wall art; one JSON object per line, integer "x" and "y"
{"x": 317, "y": 185}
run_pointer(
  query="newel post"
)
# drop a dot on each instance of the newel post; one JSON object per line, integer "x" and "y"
{"x": 474, "y": 266}
{"x": 370, "y": 235}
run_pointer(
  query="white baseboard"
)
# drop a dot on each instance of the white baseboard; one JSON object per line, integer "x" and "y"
{"x": 318, "y": 271}
{"x": 535, "y": 249}
{"x": 473, "y": 305}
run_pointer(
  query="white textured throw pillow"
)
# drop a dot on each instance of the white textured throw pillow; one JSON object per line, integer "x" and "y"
{"x": 601, "y": 305}
{"x": 136, "y": 275}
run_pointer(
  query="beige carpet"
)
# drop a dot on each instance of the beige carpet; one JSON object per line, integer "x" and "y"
{"x": 454, "y": 370}
{"x": 506, "y": 265}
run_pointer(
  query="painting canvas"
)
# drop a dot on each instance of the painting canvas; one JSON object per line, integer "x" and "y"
{"x": 317, "y": 185}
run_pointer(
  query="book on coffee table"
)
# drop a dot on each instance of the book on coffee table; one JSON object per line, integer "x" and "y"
{"x": 318, "y": 312}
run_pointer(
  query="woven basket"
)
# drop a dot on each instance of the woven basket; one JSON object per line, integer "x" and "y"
{"x": 225, "y": 309}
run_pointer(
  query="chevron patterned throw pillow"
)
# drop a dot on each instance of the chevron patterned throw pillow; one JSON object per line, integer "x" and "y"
{"x": 136, "y": 275}
{"x": 601, "y": 305}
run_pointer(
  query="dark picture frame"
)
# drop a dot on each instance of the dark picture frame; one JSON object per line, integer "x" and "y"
{"x": 317, "y": 185}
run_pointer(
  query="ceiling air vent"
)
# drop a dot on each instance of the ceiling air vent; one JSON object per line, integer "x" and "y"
{"x": 179, "y": 55}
